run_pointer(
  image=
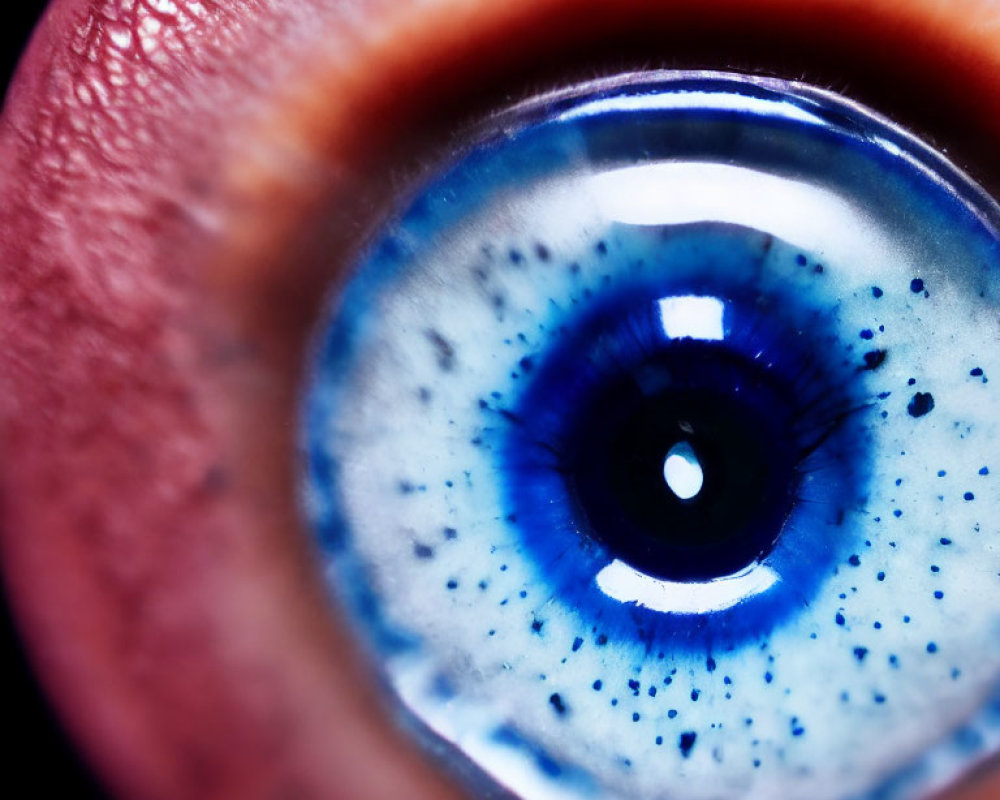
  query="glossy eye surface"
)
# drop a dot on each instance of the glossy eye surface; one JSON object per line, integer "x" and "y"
{"x": 651, "y": 448}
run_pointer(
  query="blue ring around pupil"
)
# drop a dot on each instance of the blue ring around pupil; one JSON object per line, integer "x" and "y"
{"x": 776, "y": 398}
{"x": 630, "y": 392}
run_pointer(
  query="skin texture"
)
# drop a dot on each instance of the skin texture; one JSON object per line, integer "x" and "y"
{"x": 182, "y": 184}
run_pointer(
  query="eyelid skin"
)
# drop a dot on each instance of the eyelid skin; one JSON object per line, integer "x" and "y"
{"x": 182, "y": 183}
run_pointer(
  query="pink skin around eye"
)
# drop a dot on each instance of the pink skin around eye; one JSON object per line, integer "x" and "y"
{"x": 165, "y": 167}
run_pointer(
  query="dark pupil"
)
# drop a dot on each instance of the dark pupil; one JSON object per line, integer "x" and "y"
{"x": 712, "y": 412}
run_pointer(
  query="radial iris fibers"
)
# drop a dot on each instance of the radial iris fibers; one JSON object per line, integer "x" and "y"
{"x": 650, "y": 448}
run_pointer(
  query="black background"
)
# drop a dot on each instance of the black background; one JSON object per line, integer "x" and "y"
{"x": 38, "y": 759}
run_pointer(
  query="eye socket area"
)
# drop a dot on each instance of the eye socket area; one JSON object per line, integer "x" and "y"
{"x": 369, "y": 121}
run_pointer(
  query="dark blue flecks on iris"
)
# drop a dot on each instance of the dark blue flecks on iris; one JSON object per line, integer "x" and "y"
{"x": 686, "y": 742}
{"x": 423, "y": 551}
{"x": 874, "y": 359}
{"x": 920, "y": 404}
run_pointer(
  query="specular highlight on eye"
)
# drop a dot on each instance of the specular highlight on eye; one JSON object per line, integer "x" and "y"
{"x": 651, "y": 448}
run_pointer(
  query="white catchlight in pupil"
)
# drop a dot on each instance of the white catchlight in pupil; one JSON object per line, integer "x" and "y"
{"x": 682, "y": 471}
{"x": 692, "y": 317}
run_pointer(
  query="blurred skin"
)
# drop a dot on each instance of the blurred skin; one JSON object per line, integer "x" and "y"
{"x": 183, "y": 182}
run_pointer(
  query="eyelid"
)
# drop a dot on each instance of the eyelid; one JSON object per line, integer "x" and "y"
{"x": 358, "y": 131}
{"x": 333, "y": 148}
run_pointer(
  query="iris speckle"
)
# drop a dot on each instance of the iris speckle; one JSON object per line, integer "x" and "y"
{"x": 423, "y": 550}
{"x": 444, "y": 351}
{"x": 874, "y": 359}
{"x": 920, "y": 404}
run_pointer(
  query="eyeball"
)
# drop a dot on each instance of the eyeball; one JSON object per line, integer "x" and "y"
{"x": 651, "y": 449}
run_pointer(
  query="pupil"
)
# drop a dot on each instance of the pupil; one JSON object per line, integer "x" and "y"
{"x": 683, "y": 472}
{"x": 685, "y": 467}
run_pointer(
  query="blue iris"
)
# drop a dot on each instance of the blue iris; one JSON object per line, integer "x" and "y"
{"x": 651, "y": 449}
{"x": 692, "y": 351}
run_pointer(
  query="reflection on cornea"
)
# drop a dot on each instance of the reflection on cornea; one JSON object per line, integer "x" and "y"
{"x": 674, "y": 193}
{"x": 689, "y": 316}
{"x": 621, "y": 582}
{"x": 712, "y": 101}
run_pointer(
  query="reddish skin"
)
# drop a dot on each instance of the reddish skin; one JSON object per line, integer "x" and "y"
{"x": 157, "y": 289}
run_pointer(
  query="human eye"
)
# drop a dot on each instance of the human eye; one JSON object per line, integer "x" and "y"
{"x": 226, "y": 622}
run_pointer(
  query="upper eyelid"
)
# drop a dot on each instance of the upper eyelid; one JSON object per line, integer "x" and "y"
{"x": 440, "y": 94}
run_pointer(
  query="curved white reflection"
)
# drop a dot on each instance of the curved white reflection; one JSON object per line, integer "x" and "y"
{"x": 626, "y": 584}
{"x": 677, "y": 193}
{"x": 715, "y": 101}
